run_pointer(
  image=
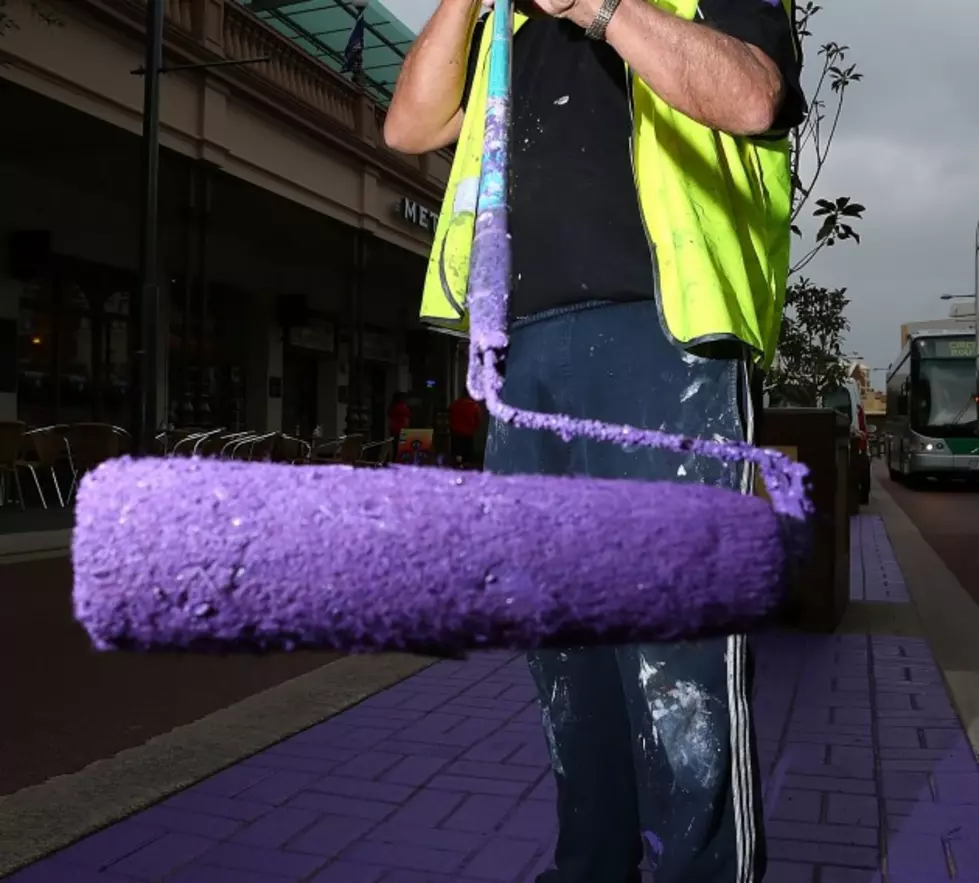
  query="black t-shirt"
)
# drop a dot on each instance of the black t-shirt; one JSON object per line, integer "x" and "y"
{"x": 574, "y": 214}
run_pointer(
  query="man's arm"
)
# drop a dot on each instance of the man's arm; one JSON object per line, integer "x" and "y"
{"x": 717, "y": 80}
{"x": 426, "y": 110}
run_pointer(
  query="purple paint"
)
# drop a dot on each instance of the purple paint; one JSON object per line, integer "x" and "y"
{"x": 653, "y": 842}
{"x": 186, "y": 554}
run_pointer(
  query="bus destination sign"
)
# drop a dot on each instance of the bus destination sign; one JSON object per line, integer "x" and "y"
{"x": 947, "y": 348}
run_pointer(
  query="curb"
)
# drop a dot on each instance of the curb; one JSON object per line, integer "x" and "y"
{"x": 34, "y": 545}
{"x": 948, "y": 615}
{"x": 42, "y": 819}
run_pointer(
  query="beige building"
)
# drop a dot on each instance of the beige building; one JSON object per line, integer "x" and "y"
{"x": 292, "y": 242}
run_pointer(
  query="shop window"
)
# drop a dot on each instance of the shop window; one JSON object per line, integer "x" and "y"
{"x": 73, "y": 346}
{"x": 36, "y": 342}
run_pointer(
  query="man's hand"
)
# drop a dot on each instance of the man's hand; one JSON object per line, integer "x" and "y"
{"x": 581, "y": 12}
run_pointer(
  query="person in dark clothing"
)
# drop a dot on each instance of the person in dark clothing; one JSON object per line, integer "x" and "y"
{"x": 399, "y": 419}
{"x": 649, "y": 197}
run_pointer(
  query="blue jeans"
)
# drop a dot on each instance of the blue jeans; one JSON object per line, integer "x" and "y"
{"x": 652, "y": 746}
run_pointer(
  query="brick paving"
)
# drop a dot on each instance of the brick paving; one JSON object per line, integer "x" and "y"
{"x": 874, "y": 571}
{"x": 444, "y": 777}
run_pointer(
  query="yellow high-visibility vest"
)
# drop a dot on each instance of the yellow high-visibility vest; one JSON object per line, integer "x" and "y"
{"x": 716, "y": 210}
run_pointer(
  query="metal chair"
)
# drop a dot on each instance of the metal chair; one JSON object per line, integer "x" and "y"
{"x": 50, "y": 448}
{"x": 289, "y": 449}
{"x": 351, "y": 449}
{"x": 11, "y": 439}
{"x": 326, "y": 451}
{"x": 184, "y": 445}
{"x": 231, "y": 448}
{"x": 376, "y": 454}
{"x": 255, "y": 447}
{"x": 89, "y": 445}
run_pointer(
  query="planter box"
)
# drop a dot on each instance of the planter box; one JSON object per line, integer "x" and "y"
{"x": 820, "y": 438}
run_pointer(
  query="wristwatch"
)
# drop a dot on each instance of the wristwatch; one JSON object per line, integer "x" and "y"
{"x": 596, "y": 30}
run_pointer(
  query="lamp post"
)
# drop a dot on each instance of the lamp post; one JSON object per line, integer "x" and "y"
{"x": 148, "y": 310}
{"x": 146, "y": 380}
{"x": 975, "y": 299}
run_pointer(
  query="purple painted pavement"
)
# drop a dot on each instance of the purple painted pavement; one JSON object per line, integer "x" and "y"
{"x": 444, "y": 777}
{"x": 874, "y": 571}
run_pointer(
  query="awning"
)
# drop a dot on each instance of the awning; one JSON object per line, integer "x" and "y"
{"x": 322, "y": 28}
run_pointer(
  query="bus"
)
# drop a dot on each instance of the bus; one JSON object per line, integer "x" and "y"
{"x": 930, "y": 424}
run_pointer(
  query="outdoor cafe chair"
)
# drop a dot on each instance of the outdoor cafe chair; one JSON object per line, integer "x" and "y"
{"x": 376, "y": 453}
{"x": 50, "y": 448}
{"x": 11, "y": 439}
{"x": 89, "y": 445}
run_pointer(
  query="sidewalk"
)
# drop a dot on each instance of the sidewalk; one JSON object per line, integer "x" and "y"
{"x": 444, "y": 777}
{"x": 34, "y": 534}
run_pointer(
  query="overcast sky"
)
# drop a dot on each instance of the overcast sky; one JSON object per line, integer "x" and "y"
{"x": 907, "y": 148}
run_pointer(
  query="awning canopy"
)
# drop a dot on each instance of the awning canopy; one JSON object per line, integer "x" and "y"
{"x": 322, "y": 28}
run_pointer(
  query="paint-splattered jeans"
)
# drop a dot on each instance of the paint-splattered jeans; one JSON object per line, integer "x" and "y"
{"x": 651, "y": 745}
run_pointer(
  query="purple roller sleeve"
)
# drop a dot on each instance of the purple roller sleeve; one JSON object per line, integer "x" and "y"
{"x": 184, "y": 554}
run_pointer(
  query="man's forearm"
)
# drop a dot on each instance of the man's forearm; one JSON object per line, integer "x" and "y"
{"x": 714, "y": 79}
{"x": 425, "y": 112}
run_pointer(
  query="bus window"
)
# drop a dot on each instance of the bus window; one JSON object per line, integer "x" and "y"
{"x": 944, "y": 394}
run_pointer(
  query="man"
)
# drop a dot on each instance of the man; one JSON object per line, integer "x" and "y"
{"x": 649, "y": 204}
{"x": 465, "y": 416}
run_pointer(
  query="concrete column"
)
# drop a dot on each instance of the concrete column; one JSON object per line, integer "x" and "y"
{"x": 327, "y": 404}
{"x": 275, "y": 366}
{"x": 163, "y": 358}
{"x": 357, "y": 420}
{"x": 10, "y": 291}
{"x": 263, "y": 413}
{"x": 343, "y": 380}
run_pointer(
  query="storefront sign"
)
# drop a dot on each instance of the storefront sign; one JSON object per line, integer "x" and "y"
{"x": 320, "y": 336}
{"x": 418, "y": 215}
{"x": 379, "y": 347}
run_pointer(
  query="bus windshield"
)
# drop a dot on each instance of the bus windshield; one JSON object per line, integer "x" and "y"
{"x": 944, "y": 398}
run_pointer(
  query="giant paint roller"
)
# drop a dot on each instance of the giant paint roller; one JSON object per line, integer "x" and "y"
{"x": 208, "y": 554}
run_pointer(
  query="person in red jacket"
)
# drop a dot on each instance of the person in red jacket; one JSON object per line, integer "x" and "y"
{"x": 399, "y": 416}
{"x": 465, "y": 416}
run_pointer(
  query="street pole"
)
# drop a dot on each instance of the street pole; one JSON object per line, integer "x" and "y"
{"x": 147, "y": 362}
{"x": 975, "y": 295}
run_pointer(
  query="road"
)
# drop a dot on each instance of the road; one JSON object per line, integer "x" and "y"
{"x": 948, "y": 518}
{"x": 64, "y": 706}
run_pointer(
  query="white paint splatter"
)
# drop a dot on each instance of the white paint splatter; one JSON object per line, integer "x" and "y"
{"x": 559, "y": 707}
{"x": 684, "y": 726}
{"x": 691, "y": 390}
{"x": 646, "y": 673}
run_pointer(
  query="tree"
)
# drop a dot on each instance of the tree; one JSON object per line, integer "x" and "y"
{"x": 810, "y": 349}
{"x": 813, "y": 138}
{"x": 809, "y": 360}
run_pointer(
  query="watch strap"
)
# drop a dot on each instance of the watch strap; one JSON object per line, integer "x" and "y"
{"x": 596, "y": 30}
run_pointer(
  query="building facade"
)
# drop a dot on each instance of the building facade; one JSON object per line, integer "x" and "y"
{"x": 292, "y": 242}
